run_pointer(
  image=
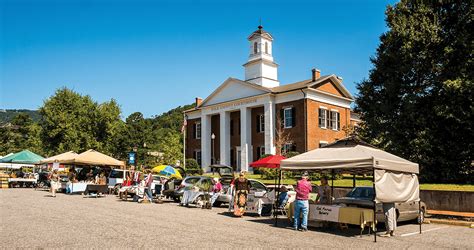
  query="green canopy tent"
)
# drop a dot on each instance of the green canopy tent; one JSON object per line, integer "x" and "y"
{"x": 23, "y": 158}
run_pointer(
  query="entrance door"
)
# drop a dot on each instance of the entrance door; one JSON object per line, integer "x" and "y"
{"x": 238, "y": 157}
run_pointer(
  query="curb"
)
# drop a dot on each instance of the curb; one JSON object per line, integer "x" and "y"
{"x": 451, "y": 222}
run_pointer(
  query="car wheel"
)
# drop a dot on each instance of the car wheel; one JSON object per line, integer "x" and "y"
{"x": 40, "y": 184}
{"x": 420, "y": 219}
{"x": 217, "y": 204}
{"x": 176, "y": 199}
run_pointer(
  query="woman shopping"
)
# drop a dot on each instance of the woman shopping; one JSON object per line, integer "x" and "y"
{"x": 54, "y": 180}
{"x": 242, "y": 189}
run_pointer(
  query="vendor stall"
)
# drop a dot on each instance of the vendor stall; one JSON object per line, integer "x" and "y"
{"x": 394, "y": 178}
{"x": 362, "y": 217}
{"x": 23, "y": 160}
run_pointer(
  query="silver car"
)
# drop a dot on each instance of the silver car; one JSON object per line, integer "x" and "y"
{"x": 364, "y": 196}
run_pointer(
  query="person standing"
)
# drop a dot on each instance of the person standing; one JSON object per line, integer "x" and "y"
{"x": 148, "y": 184}
{"x": 54, "y": 182}
{"x": 390, "y": 219}
{"x": 303, "y": 188}
{"x": 324, "y": 192}
{"x": 242, "y": 189}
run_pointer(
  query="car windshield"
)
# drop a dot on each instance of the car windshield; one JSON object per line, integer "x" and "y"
{"x": 225, "y": 171}
{"x": 192, "y": 180}
{"x": 116, "y": 174}
{"x": 362, "y": 192}
{"x": 257, "y": 185}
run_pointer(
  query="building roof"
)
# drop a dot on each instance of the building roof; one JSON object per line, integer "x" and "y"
{"x": 261, "y": 32}
{"x": 283, "y": 88}
{"x": 297, "y": 85}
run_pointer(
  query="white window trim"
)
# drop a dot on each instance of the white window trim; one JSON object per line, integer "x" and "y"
{"x": 260, "y": 123}
{"x": 325, "y": 126}
{"x": 196, "y": 156}
{"x": 284, "y": 117}
{"x": 198, "y": 135}
{"x": 335, "y": 121}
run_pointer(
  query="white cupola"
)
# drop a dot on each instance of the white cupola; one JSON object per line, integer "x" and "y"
{"x": 260, "y": 67}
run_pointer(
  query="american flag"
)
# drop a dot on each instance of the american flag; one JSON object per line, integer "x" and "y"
{"x": 185, "y": 123}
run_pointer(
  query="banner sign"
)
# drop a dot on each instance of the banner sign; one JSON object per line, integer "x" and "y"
{"x": 324, "y": 212}
{"x": 132, "y": 158}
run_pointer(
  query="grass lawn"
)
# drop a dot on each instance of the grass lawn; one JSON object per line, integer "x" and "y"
{"x": 346, "y": 181}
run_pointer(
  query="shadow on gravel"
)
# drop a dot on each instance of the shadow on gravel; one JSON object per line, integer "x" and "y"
{"x": 330, "y": 228}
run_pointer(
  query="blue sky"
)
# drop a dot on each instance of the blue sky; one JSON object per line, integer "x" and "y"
{"x": 152, "y": 56}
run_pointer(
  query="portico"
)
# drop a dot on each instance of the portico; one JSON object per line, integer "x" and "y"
{"x": 232, "y": 152}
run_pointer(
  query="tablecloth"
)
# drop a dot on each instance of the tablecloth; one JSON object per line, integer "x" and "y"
{"x": 356, "y": 216}
{"x": 348, "y": 215}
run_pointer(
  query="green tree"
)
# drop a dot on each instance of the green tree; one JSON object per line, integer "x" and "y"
{"x": 418, "y": 101}
{"x": 21, "y": 133}
{"x": 71, "y": 121}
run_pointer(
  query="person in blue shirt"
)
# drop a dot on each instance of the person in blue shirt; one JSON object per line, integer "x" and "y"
{"x": 283, "y": 197}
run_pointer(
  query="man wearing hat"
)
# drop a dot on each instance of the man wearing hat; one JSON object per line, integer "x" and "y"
{"x": 303, "y": 188}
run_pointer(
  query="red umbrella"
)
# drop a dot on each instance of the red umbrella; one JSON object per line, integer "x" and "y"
{"x": 271, "y": 161}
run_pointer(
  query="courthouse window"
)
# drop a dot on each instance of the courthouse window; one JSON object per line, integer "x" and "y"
{"x": 260, "y": 151}
{"x": 288, "y": 147}
{"x": 334, "y": 120}
{"x": 288, "y": 118}
{"x": 197, "y": 130}
{"x": 322, "y": 121}
{"x": 197, "y": 156}
{"x": 260, "y": 123}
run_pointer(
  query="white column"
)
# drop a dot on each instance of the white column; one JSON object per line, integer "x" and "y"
{"x": 269, "y": 111}
{"x": 245, "y": 138}
{"x": 224, "y": 138}
{"x": 206, "y": 142}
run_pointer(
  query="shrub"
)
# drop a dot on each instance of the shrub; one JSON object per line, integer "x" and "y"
{"x": 192, "y": 167}
{"x": 291, "y": 154}
{"x": 269, "y": 173}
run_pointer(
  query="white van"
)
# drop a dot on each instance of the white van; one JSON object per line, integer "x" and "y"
{"x": 116, "y": 178}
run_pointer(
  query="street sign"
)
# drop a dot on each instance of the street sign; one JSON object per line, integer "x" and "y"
{"x": 132, "y": 158}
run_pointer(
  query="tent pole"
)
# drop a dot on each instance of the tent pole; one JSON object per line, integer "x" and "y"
{"x": 332, "y": 185}
{"x": 419, "y": 213}
{"x": 276, "y": 197}
{"x": 375, "y": 205}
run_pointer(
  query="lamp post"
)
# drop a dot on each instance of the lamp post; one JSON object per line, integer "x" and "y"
{"x": 213, "y": 137}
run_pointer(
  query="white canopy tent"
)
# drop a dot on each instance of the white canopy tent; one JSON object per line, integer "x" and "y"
{"x": 394, "y": 178}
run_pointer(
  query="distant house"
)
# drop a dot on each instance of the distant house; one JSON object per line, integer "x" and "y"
{"x": 236, "y": 123}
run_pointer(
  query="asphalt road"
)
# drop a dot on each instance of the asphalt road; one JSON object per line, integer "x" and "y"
{"x": 33, "y": 219}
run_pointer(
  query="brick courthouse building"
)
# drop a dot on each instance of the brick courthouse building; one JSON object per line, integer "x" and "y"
{"x": 236, "y": 123}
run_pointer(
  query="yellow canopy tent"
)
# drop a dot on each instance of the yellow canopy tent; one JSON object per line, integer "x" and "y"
{"x": 61, "y": 158}
{"x": 92, "y": 157}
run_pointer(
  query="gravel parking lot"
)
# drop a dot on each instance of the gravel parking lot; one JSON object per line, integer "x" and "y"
{"x": 33, "y": 219}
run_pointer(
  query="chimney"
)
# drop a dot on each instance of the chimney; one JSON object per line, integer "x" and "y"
{"x": 198, "y": 101}
{"x": 316, "y": 74}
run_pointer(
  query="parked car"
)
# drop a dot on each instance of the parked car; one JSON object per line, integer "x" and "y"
{"x": 364, "y": 196}
{"x": 187, "y": 182}
{"x": 116, "y": 178}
